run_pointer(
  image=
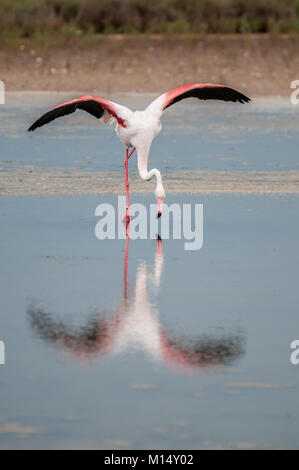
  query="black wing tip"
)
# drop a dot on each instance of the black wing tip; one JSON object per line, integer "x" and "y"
{"x": 232, "y": 95}
{"x": 34, "y": 126}
{"x": 240, "y": 98}
{"x": 245, "y": 99}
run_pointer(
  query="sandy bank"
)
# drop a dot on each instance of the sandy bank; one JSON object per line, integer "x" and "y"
{"x": 259, "y": 65}
{"x": 34, "y": 181}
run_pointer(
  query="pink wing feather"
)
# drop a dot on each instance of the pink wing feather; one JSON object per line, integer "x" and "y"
{"x": 92, "y": 104}
{"x": 202, "y": 91}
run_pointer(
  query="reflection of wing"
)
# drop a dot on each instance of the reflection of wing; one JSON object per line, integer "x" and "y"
{"x": 99, "y": 336}
{"x": 135, "y": 325}
{"x": 202, "y": 352}
{"x": 89, "y": 339}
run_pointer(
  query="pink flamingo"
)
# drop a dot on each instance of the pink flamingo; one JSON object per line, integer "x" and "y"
{"x": 136, "y": 130}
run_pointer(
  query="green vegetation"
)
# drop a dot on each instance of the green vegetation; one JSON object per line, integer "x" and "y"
{"x": 31, "y": 18}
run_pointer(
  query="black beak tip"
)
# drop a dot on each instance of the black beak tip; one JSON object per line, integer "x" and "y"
{"x": 158, "y": 214}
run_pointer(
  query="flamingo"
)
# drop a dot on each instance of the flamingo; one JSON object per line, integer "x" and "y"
{"x": 136, "y": 130}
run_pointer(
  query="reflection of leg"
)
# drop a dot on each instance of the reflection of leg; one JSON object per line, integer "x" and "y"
{"x": 125, "y": 276}
{"x": 141, "y": 286}
{"x": 159, "y": 248}
{"x": 127, "y": 217}
{"x": 159, "y": 261}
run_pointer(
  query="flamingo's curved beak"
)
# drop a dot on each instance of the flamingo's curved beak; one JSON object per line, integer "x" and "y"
{"x": 160, "y": 201}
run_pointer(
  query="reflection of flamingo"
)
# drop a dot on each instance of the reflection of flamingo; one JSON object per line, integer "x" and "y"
{"x": 138, "y": 129}
{"x": 135, "y": 325}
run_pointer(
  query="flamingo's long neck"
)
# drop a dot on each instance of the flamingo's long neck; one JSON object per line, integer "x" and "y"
{"x": 154, "y": 172}
{"x": 148, "y": 175}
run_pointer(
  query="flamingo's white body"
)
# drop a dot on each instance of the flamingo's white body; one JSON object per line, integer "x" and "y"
{"x": 138, "y": 129}
{"x": 143, "y": 127}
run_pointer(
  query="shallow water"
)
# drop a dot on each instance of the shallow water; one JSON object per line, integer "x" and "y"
{"x": 262, "y": 135}
{"x": 188, "y": 350}
{"x": 135, "y": 344}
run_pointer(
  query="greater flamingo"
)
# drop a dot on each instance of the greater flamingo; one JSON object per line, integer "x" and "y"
{"x": 136, "y": 130}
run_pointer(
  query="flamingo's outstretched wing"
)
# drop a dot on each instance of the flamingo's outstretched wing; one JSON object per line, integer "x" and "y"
{"x": 98, "y": 107}
{"x": 202, "y": 91}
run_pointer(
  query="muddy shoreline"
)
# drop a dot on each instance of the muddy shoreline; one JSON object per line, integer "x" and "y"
{"x": 258, "y": 65}
{"x": 39, "y": 181}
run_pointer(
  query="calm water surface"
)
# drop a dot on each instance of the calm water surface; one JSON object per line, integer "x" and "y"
{"x": 188, "y": 350}
{"x": 262, "y": 135}
{"x": 116, "y": 344}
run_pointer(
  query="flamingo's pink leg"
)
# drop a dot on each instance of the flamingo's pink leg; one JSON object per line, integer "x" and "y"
{"x": 127, "y": 217}
{"x": 127, "y": 187}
